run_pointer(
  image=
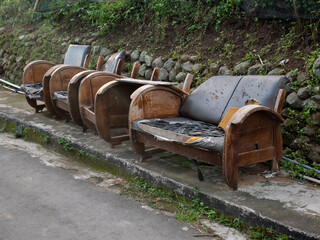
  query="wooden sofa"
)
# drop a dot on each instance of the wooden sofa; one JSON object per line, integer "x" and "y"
{"x": 33, "y": 73}
{"x": 161, "y": 117}
{"x": 111, "y": 106}
{"x": 64, "y": 84}
{"x": 93, "y": 112}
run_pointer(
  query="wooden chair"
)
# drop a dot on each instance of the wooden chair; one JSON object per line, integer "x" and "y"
{"x": 87, "y": 94}
{"x": 67, "y": 79}
{"x": 33, "y": 73}
{"x": 252, "y": 134}
{"x": 112, "y": 103}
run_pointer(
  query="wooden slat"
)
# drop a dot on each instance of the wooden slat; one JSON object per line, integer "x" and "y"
{"x": 89, "y": 115}
{"x": 164, "y": 133}
{"x": 261, "y": 155}
{"x": 117, "y": 140}
{"x": 62, "y": 105}
{"x": 145, "y": 82}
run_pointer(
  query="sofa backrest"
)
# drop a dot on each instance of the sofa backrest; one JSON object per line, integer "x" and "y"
{"x": 112, "y": 62}
{"x": 207, "y": 102}
{"x": 76, "y": 54}
{"x": 211, "y": 101}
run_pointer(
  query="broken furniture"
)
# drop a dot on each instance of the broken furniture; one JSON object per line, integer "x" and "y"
{"x": 112, "y": 103}
{"x": 104, "y": 104}
{"x": 65, "y": 81}
{"x": 161, "y": 117}
{"x": 33, "y": 73}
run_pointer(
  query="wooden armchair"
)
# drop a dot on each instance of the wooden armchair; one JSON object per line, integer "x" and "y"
{"x": 33, "y": 73}
{"x": 67, "y": 79}
{"x": 112, "y": 103}
{"x": 161, "y": 117}
{"x": 90, "y": 115}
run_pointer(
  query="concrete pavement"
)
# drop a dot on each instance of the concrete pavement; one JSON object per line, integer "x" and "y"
{"x": 288, "y": 206}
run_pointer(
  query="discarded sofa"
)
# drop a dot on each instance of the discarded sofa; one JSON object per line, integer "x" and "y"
{"x": 87, "y": 104}
{"x": 249, "y": 107}
{"x": 64, "y": 88}
{"x": 111, "y": 106}
{"x": 34, "y": 72}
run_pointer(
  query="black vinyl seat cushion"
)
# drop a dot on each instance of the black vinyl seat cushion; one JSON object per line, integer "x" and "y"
{"x": 189, "y": 132}
{"x": 33, "y": 90}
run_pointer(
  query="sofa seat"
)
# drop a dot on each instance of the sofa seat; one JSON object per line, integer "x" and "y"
{"x": 184, "y": 131}
{"x": 62, "y": 96}
{"x": 32, "y": 90}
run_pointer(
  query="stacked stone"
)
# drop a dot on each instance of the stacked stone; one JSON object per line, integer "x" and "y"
{"x": 170, "y": 70}
{"x": 298, "y": 100}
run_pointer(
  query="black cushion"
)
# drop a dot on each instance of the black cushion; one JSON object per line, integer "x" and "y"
{"x": 208, "y": 101}
{"x": 189, "y": 132}
{"x": 112, "y": 62}
{"x": 33, "y": 90}
{"x": 211, "y": 101}
{"x": 76, "y": 54}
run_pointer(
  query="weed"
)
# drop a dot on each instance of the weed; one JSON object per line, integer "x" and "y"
{"x": 191, "y": 211}
{"x": 66, "y": 144}
{"x": 47, "y": 139}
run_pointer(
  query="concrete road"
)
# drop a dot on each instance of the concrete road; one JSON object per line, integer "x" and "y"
{"x": 42, "y": 202}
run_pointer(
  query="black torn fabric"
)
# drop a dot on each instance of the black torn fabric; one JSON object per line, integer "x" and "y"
{"x": 33, "y": 90}
{"x": 200, "y": 134}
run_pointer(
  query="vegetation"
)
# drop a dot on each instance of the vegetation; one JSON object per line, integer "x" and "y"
{"x": 216, "y": 31}
{"x": 192, "y": 211}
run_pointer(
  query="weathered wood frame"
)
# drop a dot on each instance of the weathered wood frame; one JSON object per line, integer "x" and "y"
{"x": 68, "y": 78}
{"x": 35, "y": 71}
{"x": 104, "y": 103}
{"x": 112, "y": 104}
{"x": 252, "y": 135}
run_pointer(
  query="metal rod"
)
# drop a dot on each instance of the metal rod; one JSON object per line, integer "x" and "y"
{"x": 12, "y": 89}
{"x": 303, "y": 165}
{"x": 10, "y": 84}
{"x": 311, "y": 179}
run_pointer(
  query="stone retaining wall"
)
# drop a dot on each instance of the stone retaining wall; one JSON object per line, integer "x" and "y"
{"x": 301, "y": 129}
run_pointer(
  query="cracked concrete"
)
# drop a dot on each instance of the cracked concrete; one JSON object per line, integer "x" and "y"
{"x": 289, "y": 207}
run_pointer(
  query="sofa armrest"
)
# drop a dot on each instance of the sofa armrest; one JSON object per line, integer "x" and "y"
{"x": 151, "y": 101}
{"x": 243, "y": 113}
{"x": 73, "y": 95}
{"x": 252, "y": 135}
{"x": 57, "y": 80}
{"x": 34, "y": 71}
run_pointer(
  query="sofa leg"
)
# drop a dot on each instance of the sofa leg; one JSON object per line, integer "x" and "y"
{"x": 140, "y": 149}
{"x": 230, "y": 169}
{"x": 39, "y": 108}
{"x": 231, "y": 177}
{"x": 278, "y": 148}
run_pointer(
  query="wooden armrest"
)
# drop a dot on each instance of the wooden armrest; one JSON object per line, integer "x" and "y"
{"x": 61, "y": 77}
{"x": 187, "y": 83}
{"x": 73, "y": 95}
{"x": 34, "y": 71}
{"x": 100, "y": 63}
{"x": 243, "y": 113}
{"x": 91, "y": 84}
{"x": 135, "y": 70}
{"x": 86, "y": 61}
{"x": 101, "y": 74}
{"x": 252, "y": 135}
{"x": 151, "y": 101}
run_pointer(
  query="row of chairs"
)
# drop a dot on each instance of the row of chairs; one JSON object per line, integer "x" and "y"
{"x": 229, "y": 121}
{"x": 93, "y": 99}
